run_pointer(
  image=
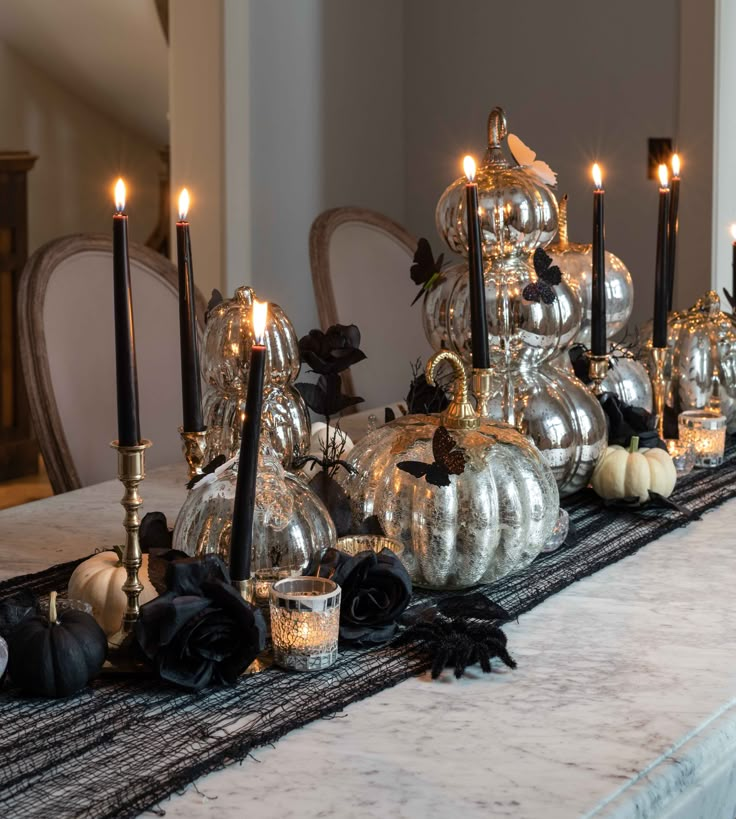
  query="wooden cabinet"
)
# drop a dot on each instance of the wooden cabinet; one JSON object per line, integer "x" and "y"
{"x": 18, "y": 449}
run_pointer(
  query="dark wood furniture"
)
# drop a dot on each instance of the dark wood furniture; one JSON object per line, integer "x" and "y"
{"x": 18, "y": 448}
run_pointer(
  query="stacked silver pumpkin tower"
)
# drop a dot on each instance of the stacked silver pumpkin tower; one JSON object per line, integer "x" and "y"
{"x": 518, "y": 214}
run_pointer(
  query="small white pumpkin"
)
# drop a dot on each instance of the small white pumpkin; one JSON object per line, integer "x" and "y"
{"x": 99, "y": 582}
{"x": 633, "y": 472}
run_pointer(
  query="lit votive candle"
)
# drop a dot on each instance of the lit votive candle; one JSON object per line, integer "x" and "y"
{"x": 305, "y": 622}
{"x": 705, "y": 431}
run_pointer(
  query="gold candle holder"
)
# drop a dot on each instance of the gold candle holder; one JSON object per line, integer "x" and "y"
{"x": 599, "y": 365}
{"x": 131, "y": 471}
{"x": 482, "y": 390}
{"x": 657, "y": 375}
{"x": 194, "y": 446}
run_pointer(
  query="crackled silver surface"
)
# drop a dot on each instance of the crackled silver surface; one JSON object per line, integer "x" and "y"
{"x": 494, "y": 517}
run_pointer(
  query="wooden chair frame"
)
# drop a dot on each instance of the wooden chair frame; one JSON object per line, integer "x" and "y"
{"x": 44, "y": 411}
{"x": 320, "y": 236}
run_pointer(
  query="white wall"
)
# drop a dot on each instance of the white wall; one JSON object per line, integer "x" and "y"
{"x": 81, "y": 151}
{"x": 326, "y": 130}
{"x": 580, "y": 81}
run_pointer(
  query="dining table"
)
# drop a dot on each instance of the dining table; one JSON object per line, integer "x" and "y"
{"x": 622, "y": 704}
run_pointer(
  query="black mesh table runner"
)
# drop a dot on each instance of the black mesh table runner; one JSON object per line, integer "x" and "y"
{"x": 123, "y": 745}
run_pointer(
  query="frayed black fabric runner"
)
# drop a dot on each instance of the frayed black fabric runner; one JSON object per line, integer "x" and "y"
{"x": 122, "y": 746}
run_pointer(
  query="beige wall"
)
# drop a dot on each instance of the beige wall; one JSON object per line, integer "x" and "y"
{"x": 80, "y": 150}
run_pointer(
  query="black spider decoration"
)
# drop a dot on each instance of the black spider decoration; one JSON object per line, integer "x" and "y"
{"x": 458, "y": 644}
{"x": 548, "y": 275}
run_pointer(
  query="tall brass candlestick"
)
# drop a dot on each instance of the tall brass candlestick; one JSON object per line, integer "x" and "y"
{"x": 131, "y": 471}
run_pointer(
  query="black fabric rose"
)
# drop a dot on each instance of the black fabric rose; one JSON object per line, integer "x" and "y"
{"x": 580, "y": 362}
{"x": 326, "y": 396}
{"x": 333, "y": 351}
{"x": 200, "y": 631}
{"x": 625, "y": 421}
{"x": 376, "y": 588}
{"x": 425, "y": 398}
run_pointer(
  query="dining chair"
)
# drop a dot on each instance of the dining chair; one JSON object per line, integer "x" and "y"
{"x": 67, "y": 351}
{"x": 360, "y": 262}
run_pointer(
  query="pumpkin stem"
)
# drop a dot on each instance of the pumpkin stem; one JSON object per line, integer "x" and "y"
{"x": 52, "y": 607}
{"x": 119, "y": 552}
{"x": 634, "y": 445}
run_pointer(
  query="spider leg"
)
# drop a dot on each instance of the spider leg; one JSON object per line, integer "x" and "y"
{"x": 484, "y": 657}
{"x": 441, "y": 657}
{"x": 463, "y": 654}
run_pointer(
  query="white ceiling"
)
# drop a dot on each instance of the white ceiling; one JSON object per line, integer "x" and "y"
{"x": 111, "y": 53}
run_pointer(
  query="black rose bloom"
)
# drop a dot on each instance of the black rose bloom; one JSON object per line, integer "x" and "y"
{"x": 333, "y": 351}
{"x": 376, "y": 588}
{"x": 200, "y": 631}
{"x": 625, "y": 421}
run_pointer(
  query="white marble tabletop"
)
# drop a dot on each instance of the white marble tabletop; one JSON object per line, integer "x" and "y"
{"x": 623, "y": 704}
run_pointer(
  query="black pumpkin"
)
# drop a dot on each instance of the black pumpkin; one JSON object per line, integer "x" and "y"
{"x": 56, "y": 656}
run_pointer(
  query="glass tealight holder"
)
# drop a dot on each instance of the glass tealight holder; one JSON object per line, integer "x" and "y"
{"x": 705, "y": 431}
{"x": 305, "y": 622}
{"x": 682, "y": 454}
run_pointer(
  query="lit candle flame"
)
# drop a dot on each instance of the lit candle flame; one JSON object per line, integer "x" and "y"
{"x": 260, "y": 316}
{"x": 120, "y": 195}
{"x": 675, "y": 165}
{"x": 597, "y": 177}
{"x": 183, "y": 204}
{"x": 469, "y": 166}
{"x": 733, "y": 231}
{"x": 664, "y": 181}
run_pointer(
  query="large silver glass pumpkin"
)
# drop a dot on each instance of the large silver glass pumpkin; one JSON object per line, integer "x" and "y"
{"x": 527, "y": 335}
{"x": 228, "y": 340}
{"x": 494, "y": 517}
{"x": 291, "y": 523}
{"x": 559, "y": 414}
{"x": 575, "y": 262}
{"x": 701, "y": 364}
{"x": 518, "y": 213}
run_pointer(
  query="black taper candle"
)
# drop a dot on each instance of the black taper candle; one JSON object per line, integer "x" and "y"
{"x": 733, "y": 261}
{"x": 191, "y": 386}
{"x": 241, "y": 538}
{"x": 672, "y": 228}
{"x": 129, "y": 432}
{"x": 598, "y": 328}
{"x": 659, "y": 334}
{"x": 477, "y": 285}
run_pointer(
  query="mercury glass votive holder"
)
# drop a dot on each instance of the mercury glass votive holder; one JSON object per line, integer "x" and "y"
{"x": 682, "y": 454}
{"x": 705, "y": 431}
{"x": 305, "y": 622}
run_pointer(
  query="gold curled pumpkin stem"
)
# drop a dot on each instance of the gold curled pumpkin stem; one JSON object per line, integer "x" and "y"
{"x": 460, "y": 385}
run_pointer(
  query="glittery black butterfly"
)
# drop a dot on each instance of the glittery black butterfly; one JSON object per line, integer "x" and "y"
{"x": 426, "y": 269}
{"x": 449, "y": 459}
{"x": 548, "y": 275}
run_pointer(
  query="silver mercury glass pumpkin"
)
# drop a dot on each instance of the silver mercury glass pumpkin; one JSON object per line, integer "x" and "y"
{"x": 228, "y": 340}
{"x": 494, "y": 517}
{"x": 518, "y": 212}
{"x": 555, "y": 410}
{"x": 291, "y": 524}
{"x": 700, "y": 368}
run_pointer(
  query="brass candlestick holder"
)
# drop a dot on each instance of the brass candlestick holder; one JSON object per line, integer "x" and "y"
{"x": 131, "y": 471}
{"x": 657, "y": 374}
{"x": 482, "y": 390}
{"x": 194, "y": 446}
{"x": 598, "y": 370}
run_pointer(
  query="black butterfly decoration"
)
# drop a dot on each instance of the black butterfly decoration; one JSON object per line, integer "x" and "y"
{"x": 449, "y": 459}
{"x": 426, "y": 270}
{"x": 548, "y": 275}
{"x": 216, "y": 462}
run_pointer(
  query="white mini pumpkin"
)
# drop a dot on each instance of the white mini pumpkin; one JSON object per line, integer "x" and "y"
{"x": 626, "y": 472}
{"x": 99, "y": 582}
